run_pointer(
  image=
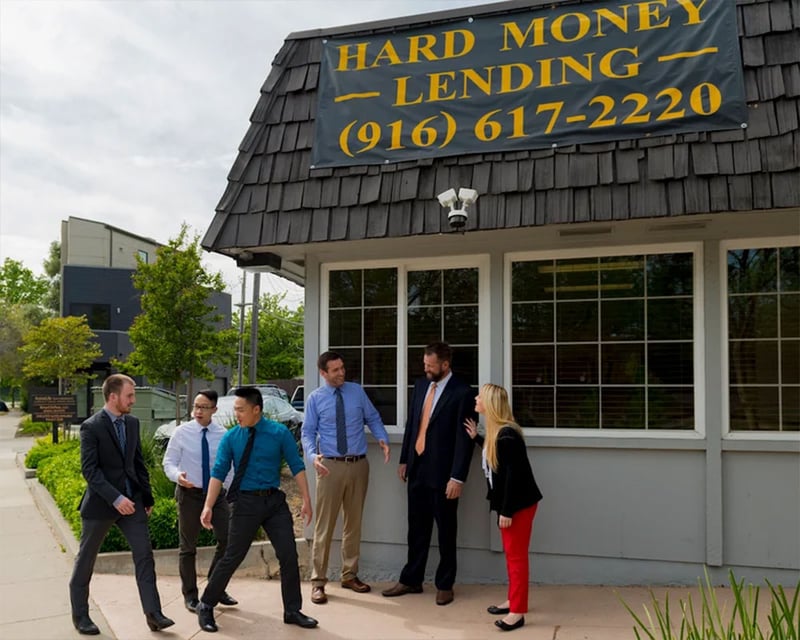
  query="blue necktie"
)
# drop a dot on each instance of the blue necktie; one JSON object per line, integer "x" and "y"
{"x": 206, "y": 461}
{"x": 119, "y": 424}
{"x": 341, "y": 429}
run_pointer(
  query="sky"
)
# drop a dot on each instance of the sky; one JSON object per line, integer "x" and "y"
{"x": 130, "y": 112}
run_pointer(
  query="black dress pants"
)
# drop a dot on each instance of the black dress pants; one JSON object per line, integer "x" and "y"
{"x": 248, "y": 513}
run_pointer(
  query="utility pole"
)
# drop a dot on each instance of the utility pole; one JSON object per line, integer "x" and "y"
{"x": 254, "y": 328}
{"x": 241, "y": 305}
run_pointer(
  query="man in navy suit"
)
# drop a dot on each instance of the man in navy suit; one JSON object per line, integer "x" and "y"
{"x": 118, "y": 492}
{"x": 434, "y": 461}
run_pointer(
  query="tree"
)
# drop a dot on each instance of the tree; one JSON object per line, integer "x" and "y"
{"x": 15, "y": 322}
{"x": 280, "y": 339}
{"x": 18, "y": 285}
{"x": 178, "y": 334}
{"x": 52, "y": 268}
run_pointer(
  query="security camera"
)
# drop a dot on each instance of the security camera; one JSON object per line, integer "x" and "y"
{"x": 467, "y": 196}
{"x": 457, "y": 218}
{"x": 458, "y": 214}
{"x": 448, "y": 198}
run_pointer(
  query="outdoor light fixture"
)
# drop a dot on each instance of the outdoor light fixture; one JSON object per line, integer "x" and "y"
{"x": 458, "y": 203}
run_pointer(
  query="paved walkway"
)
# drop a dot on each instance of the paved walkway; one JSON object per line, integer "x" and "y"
{"x": 34, "y": 603}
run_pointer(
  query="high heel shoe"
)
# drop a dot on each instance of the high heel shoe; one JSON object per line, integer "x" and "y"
{"x": 501, "y": 624}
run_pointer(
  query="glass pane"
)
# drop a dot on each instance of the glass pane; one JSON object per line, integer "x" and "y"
{"x": 416, "y": 367}
{"x": 791, "y": 408}
{"x": 465, "y": 364}
{"x": 380, "y": 287}
{"x": 622, "y": 319}
{"x": 424, "y": 325}
{"x": 623, "y": 364}
{"x": 753, "y": 362}
{"x": 532, "y": 322}
{"x": 576, "y": 278}
{"x": 623, "y": 408}
{"x": 344, "y": 327}
{"x": 790, "y": 269}
{"x": 577, "y": 408}
{"x": 752, "y": 270}
{"x": 352, "y": 363}
{"x": 670, "y": 408}
{"x": 790, "y": 362}
{"x": 533, "y": 407}
{"x": 345, "y": 288}
{"x": 380, "y": 366}
{"x": 754, "y": 409}
{"x": 577, "y": 364}
{"x": 461, "y": 325}
{"x": 790, "y": 315}
{"x": 380, "y": 326}
{"x": 460, "y": 286}
{"x": 670, "y": 363}
{"x": 576, "y": 321}
{"x": 532, "y": 365}
{"x": 424, "y": 287}
{"x": 622, "y": 277}
{"x": 753, "y": 316}
{"x": 532, "y": 281}
{"x": 385, "y": 401}
{"x": 669, "y": 274}
{"x": 670, "y": 319}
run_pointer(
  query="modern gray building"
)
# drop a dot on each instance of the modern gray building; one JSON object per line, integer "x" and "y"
{"x": 636, "y": 289}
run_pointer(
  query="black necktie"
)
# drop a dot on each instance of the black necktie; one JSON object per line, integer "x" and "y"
{"x": 233, "y": 492}
{"x": 206, "y": 460}
{"x": 119, "y": 425}
{"x": 341, "y": 427}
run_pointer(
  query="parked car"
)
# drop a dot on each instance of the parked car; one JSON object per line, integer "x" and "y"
{"x": 275, "y": 408}
{"x": 3, "y": 407}
{"x": 298, "y": 398}
{"x": 266, "y": 390}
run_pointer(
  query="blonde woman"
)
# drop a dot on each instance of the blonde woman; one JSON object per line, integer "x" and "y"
{"x": 513, "y": 494}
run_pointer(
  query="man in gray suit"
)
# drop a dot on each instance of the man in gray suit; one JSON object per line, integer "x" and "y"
{"x": 118, "y": 492}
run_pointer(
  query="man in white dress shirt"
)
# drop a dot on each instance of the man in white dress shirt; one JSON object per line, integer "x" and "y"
{"x": 188, "y": 461}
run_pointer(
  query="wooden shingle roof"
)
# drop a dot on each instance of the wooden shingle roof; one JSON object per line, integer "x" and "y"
{"x": 274, "y": 198}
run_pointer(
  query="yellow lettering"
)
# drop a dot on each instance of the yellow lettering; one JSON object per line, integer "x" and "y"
{"x": 536, "y": 27}
{"x": 401, "y": 99}
{"x": 584, "y": 72}
{"x": 480, "y": 83}
{"x": 692, "y": 11}
{"x": 360, "y": 56}
{"x": 439, "y": 83}
{"x": 650, "y": 14}
{"x": 557, "y": 28}
{"x": 607, "y": 61}
{"x": 468, "y": 41}
{"x": 506, "y": 71}
{"x": 415, "y": 47}
{"x": 546, "y": 72}
{"x": 619, "y": 21}
{"x": 387, "y": 52}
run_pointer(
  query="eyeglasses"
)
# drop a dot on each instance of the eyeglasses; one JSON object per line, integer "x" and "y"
{"x": 203, "y": 407}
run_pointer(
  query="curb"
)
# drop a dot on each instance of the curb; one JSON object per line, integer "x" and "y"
{"x": 260, "y": 561}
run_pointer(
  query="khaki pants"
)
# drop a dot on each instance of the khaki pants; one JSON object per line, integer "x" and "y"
{"x": 343, "y": 489}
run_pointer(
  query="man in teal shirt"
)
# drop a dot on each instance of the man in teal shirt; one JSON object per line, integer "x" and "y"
{"x": 256, "y": 448}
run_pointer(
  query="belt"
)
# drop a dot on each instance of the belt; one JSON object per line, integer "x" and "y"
{"x": 346, "y": 458}
{"x": 191, "y": 489}
{"x": 260, "y": 492}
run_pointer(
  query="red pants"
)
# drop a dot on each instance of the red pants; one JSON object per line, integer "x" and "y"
{"x": 516, "y": 540}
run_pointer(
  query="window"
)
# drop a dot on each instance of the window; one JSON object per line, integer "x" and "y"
{"x": 142, "y": 255}
{"x": 763, "y": 317}
{"x": 97, "y": 315}
{"x": 604, "y": 342}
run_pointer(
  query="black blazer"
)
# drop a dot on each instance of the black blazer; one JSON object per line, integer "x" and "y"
{"x": 513, "y": 486}
{"x": 105, "y": 470}
{"x": 448, "y": 450}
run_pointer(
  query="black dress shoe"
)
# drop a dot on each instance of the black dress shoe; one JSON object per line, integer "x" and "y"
{"x": 83, "y": 623}
{"x": 158, "y": 621}
{"x": 227, "y": 600}
{"x": 500, "y": 624}
{"x": 300, "y": 619}
{"x": 498, "y": 611}
{"x": 205, "y": 617}
{"x": 191, "y": 604}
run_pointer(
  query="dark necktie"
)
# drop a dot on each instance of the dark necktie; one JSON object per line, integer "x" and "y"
{"x": 233, "y": 492}
{"x": 206, "y": 460}
{"x": 119, "y": 425}
{"x": 341, "y": 427}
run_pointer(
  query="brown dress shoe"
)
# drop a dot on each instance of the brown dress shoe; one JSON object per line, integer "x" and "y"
{"x": 318, "y": 595}
{"x": 354, "y": 584}
{"x": 400, "y": 589}
{"x": 444, "y": 596}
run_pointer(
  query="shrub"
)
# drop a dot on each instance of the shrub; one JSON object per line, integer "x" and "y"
{"x": 27, "y": 427}
{"x": 44, "y": 448}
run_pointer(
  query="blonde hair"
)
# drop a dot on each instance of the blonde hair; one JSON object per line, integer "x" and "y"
{"x": 497, "y": 412}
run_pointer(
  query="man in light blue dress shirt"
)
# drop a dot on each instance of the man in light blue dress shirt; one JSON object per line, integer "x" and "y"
{"x": 335, "y": 443}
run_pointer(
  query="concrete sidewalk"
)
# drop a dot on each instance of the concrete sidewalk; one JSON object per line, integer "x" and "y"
{"x": 35, "y": 603}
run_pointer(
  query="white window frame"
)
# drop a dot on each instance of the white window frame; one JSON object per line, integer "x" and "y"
{"x": 725, "y": 246}
{"x": 698, "y": 335}
{"x": 481, "y": 262}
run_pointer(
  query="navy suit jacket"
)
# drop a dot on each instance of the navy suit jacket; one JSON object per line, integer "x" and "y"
{"x": 106, "y": 469}
{"x": 448, "y": 448}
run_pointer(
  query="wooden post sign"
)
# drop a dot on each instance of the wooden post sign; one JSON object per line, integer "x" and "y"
{"x": 55, "y": 409}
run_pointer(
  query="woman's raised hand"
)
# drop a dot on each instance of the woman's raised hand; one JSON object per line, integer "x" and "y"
{"x": 471, "y": 427}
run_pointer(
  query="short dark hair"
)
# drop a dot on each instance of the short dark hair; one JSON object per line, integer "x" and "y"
{"x": 114, "y": 384}
{"x": 441, "y": 350}
{"x": 325, "y": 358}
{"x": 251, "y": 394}
{"x": 212, "y": 395}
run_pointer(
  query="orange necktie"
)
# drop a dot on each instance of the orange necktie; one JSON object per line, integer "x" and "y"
{"x": 423, "y": 421}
